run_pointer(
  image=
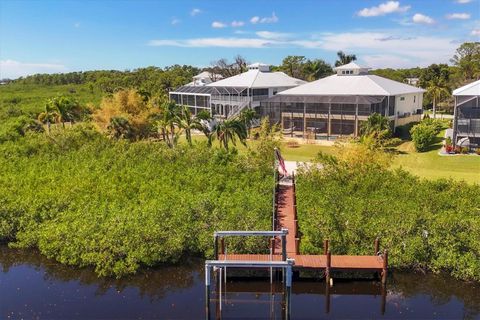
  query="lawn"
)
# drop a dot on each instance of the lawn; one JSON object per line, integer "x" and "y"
{"x": 428, "y": 164}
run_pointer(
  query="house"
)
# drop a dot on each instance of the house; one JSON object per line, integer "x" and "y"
{"x": 466, "y": 119}
{"x": 228, "y": 97}
{"x": 412, "y": 81}
{"x": 204, "y": 78}
{"x": 337, "y": 105}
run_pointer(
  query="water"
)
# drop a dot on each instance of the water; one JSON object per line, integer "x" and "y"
{"x": 33, "y": 287}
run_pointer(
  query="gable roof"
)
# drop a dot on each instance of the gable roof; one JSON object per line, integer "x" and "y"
{"x": 471, "y": 89}
{"x": 258, "y": 79}
{"x": 362, "y": 85}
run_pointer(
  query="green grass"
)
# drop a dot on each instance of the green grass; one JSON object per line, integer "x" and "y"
{"x": 30, "y": 99}
{"x": 428, "y": 164}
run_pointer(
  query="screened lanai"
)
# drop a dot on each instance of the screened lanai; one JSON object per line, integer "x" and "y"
{"x": 321, "y": 116}
{"x": 196, "y": 97}
{"x": 467, "y": 119}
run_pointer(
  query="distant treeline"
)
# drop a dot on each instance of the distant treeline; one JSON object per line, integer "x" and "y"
{"x": 151, "y": 79}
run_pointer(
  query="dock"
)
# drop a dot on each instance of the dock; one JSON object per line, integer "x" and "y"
{"x": 285, "y": 218}
{"x": 284, "y": 250}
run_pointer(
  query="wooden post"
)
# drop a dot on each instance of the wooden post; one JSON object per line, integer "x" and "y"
{"x": 377, "y": 246}
{"x": 272, "y": 245}
{"x": 215, "y": 247}
{"x": 222, "y": 246}
{"x": 284, "y": 247}
{"x": 295, "y": 226}
{"x": 297, "y": 245}
{"x": 325, "y": 247}
{"x": 327, "y": 269}
{"x": 385, "y": 267}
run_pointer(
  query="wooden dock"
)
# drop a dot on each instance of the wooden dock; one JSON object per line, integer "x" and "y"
{"x": 286, "y": 218}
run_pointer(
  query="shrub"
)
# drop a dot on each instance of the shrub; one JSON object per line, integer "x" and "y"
{"x": 464, "y": 150}
{"x": 424, "y": 224}
{"x": 423, "y": 135}
{"x": 87, "y": 200}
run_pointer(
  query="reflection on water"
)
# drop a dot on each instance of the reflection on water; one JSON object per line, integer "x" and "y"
{"x": 32, "y": 286}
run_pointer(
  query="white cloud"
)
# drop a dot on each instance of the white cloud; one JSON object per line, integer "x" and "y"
{"x": 376, "y": 48}
{"x": 272, "y": 35}
{"x": 475, "y": 32}
{"x": 215, "y": 42}
{"x": 272, "y": 19}
{"x": 175, "y": 21}
{"x": 419, "y": 50}
{"x": 237, "y": 24}
{"x": 460, "y": 16}
{"x": 421, "y": 18}
{"x": 383, "y": 9}
{"x": 14, "y": 69}
{"x": 195, "y": 11}
{"x": 218, "y": 25}
{"x": 463, "y": 1}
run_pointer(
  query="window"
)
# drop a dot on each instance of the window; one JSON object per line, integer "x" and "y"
{"x": 343, "y": 72}
{"x": 402, "y": 98}
{"x": 414, "y": 99}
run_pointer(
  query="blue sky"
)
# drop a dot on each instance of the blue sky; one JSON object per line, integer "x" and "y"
{"x": 60, "y": 36}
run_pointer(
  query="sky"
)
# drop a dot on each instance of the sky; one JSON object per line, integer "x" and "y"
{"x": 62, "y": 36}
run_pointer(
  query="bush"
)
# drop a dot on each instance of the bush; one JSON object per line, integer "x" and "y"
{"x": 423, "y": 135}
{"x": 424, "y": 224}
{"x": 87, "y": 200}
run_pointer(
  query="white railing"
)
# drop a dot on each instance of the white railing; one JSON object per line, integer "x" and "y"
{"x": 224, "y": 99}
{"x": 235, "y": 110}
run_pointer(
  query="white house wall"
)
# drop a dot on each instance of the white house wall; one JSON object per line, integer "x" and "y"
{"x": 409, "y": 105}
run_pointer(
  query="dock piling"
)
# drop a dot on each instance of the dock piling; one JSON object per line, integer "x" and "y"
{"x": 377, "y": 246}
{"x": 329, "y": 265}
{"x": 325, "y": 246}
{"x": 385, "y": 267}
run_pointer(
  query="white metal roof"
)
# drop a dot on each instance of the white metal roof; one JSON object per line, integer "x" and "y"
{"x": 363, "y": 85}
{"x": 258, "y": 79}
{"x": 350, "y": 66}
{"x": 471, "y": 89}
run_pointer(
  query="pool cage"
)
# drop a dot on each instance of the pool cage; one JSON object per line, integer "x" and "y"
{"x": 324, "y": 117}
{"x": 197, "y": 98}
{"x": 467, "y": 120}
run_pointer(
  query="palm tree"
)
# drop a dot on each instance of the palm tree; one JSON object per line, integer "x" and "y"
{"x": 206, "y": 122}
{"x": 344, "y": 58}
{"x": 167, "y": 122}
{"x": 229, "y": 130}
{"x": 119, "y": 127}
{"x": 437, "y": 90}
{"x": 49, "y": 116}
{"x": 188, "y": 122}
{"x": 247, "y": 116}
{"x": 316, "y": 69}
{"x": 375, "y": 123}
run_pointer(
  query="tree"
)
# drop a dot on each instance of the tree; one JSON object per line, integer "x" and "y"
{"x": 226, "y": 69}
{"x": 316, "y": 69}
{"x": 49, "y": 116}
{"x": 188, "y": 122}
{"x": 167, "y": 122}
{"x": 467, "y": 58}
{"x": 247, "y": 116}
{"x": 437, "y": 90}
{"x": 344, "y": 58}
{"x": 376, "y": 132}
{"x": 229, "y": 130}
{"x": 119, "y": 127}
{"x": 293, "y": 66}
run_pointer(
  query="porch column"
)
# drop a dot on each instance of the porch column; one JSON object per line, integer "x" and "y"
{"x": 329, "y": 122}
{"x": 455, "y": 125}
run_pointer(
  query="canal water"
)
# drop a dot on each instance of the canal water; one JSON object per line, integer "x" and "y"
{"x": 33, "y": 287}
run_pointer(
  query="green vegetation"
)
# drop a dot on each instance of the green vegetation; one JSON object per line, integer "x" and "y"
{"x": 355, "y": 198}
{"x": 86, "y": 200}
{"x": 424, "y": 133}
